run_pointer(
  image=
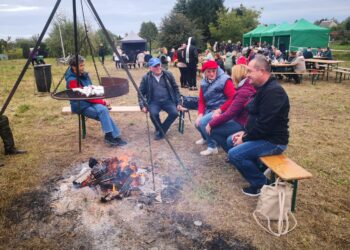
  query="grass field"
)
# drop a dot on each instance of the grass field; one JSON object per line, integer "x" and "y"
{"x": 319, "y": 141}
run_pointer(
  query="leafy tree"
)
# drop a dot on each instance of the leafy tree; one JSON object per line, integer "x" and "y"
{"x": 200, "y": 12}
{"x": 175, "y": 29}
{"x": 149, "y": 32}
{"x": 101, "y": 38}
{"x": 54, "y": 42}
{"x": 234, "y": 23}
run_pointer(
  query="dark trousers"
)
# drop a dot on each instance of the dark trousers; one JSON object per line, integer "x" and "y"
{"x": 6, "y": 133}
{"x": 220, "y": 133}
{"x": 183, "y": 77}
{"x": 155, "y": 108}
{"x": 192, "y": 76}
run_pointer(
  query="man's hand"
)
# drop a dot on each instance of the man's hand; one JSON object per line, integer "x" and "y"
{"x": 144, "y": 110}
{"x": 208, "y": 129}
{"x": 237, "y": 138}
{"x": 180, "y": 108}
{"x": 108, "y": 105}
{"x": 198, "y": 120}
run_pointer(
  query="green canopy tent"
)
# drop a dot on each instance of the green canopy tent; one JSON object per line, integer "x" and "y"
{"x": 256, "y": 34}
{"x": 247, "y": 36}
{"x": 265, "y": 35}
{"x": 301, "y": 34}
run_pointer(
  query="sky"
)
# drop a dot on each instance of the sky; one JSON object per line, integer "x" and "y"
{"x": 25, "y": 18}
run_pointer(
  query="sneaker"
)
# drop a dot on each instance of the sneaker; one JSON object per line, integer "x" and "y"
{"x": 201, "y": 141}
{"x": 251, "y": 191}
{"x": 120, "y": 141}
{"x": 209, "y": 151}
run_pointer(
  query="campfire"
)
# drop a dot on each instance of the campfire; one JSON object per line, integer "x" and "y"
{"x": 115, "y": 177}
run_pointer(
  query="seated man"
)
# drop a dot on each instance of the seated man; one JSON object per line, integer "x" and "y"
{"x": 94, "y": 109}
{"x": 7, "y": 137}
{"x": 266, "y": 132}
{"x": 159, "y": 89}
{"x": 299, "y": 66}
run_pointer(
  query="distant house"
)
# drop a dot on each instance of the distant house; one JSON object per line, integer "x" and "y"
{"x": 328, "y": 24}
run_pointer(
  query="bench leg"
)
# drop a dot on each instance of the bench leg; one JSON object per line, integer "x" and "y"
{"x": 294, "y": 197}
{"x": 181, "y": 122}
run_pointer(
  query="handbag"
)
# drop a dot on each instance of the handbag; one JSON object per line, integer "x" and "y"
{"x": 274, "y": 204}
{"x": 190, "y": 102}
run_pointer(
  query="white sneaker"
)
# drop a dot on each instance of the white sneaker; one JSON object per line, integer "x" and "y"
{"x": 209, "y": 151}
{"x": 201, "y": 141}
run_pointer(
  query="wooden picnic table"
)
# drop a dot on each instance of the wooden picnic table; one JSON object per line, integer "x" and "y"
{"x": 327, "y": 62}
{"x": 276, "y": 67}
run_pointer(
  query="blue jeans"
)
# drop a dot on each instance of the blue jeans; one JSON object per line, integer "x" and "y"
{"x": 169, "y": 107}
{"x": 201, "y": 128}
{"x": 245, "y": 158}
{"x": 100, "y": 113}
{"x": 220, "y": 133}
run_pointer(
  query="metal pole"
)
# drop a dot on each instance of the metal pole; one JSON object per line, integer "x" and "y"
{"x": 24, "y": 70}
{"x": 76, "y": 49}
{"x": 59, "y": 29}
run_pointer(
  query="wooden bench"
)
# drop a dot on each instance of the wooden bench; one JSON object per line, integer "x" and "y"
{"x": 287, "y": 170}
{"x": 341, "y": 72}
{"x": 314, "y": 74}
{"x": 67, "y": 110}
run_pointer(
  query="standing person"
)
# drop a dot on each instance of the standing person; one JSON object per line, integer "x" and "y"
{"x": 181, "y": 64}
{"x": 101, "y": 53}
{"x": 191, "y": 61}
{"x": 215, "y": 96}
{"x": 7, "y": 137}
{"x": 95, "y": 109}
{"x": 159, "y": 89}
{"x": 140, "y": 59}
{"x": 116, "y": 59}
{"x": 219, "y": 61}
{"x": 235, "y": 117}
{"x": 164, "y": 58}
{"x": 266, "y": 132}
{"x": 229, "y": 62}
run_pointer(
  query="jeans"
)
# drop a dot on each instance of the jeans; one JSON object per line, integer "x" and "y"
{"x": 202, "y": 124}
{"x": 220, "y": 133}
{"x": 155, "y": 108}
{"x": 245, "y": 158}
{"x": 100, "y": 113}
{"x": 192, "y": 76}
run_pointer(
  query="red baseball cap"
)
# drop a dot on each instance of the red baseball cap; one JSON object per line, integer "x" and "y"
{"x": 209, "y": 65}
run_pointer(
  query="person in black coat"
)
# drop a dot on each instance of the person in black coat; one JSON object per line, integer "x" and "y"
{"x": 191, "y": 61}
{"x": 266, "y": 132}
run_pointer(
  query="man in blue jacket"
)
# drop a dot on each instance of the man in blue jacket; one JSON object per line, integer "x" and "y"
{"x": 161, "y": 92}
{"x": 95, "y": 109}
{"x": 266, "y": 132}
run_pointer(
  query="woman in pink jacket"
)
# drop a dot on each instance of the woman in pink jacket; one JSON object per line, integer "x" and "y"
{"x": 235, "y": 117}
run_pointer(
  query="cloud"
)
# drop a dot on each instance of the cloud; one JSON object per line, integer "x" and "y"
{"x": 17, "y": 8}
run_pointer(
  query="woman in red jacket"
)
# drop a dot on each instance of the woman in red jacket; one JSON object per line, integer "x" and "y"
{"x": 235, "y": 117}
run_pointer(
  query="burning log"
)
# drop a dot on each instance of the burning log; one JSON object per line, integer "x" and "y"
{"x": 116, "y": 177}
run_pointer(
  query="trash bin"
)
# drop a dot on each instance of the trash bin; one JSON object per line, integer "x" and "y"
{"x": 43, "y": 77}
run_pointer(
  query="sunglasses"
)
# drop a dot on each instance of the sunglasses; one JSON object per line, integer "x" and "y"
{"x": 155, "y": 66}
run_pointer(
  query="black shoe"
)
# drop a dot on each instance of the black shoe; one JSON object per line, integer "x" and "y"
{"x": 120, "y": 141}
{"x": 158, "y": 136}
{"x": 15, "y": 151}
{"x": 111, "y": 141}
{"x": 251, "y": 191}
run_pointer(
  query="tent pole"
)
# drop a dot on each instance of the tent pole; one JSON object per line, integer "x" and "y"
{"x": 290, "y": 41}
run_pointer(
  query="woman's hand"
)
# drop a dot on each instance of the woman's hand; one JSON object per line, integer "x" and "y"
{"x": 198, "y": 120}
{"x": 208, "y": 129}
{"x": 144, "y": 110}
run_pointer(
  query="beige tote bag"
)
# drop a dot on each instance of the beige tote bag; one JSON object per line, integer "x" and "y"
{"x": 274, "y": 204}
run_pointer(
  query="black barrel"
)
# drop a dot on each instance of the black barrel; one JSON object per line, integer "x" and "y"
{"x": 43, "y": 77}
